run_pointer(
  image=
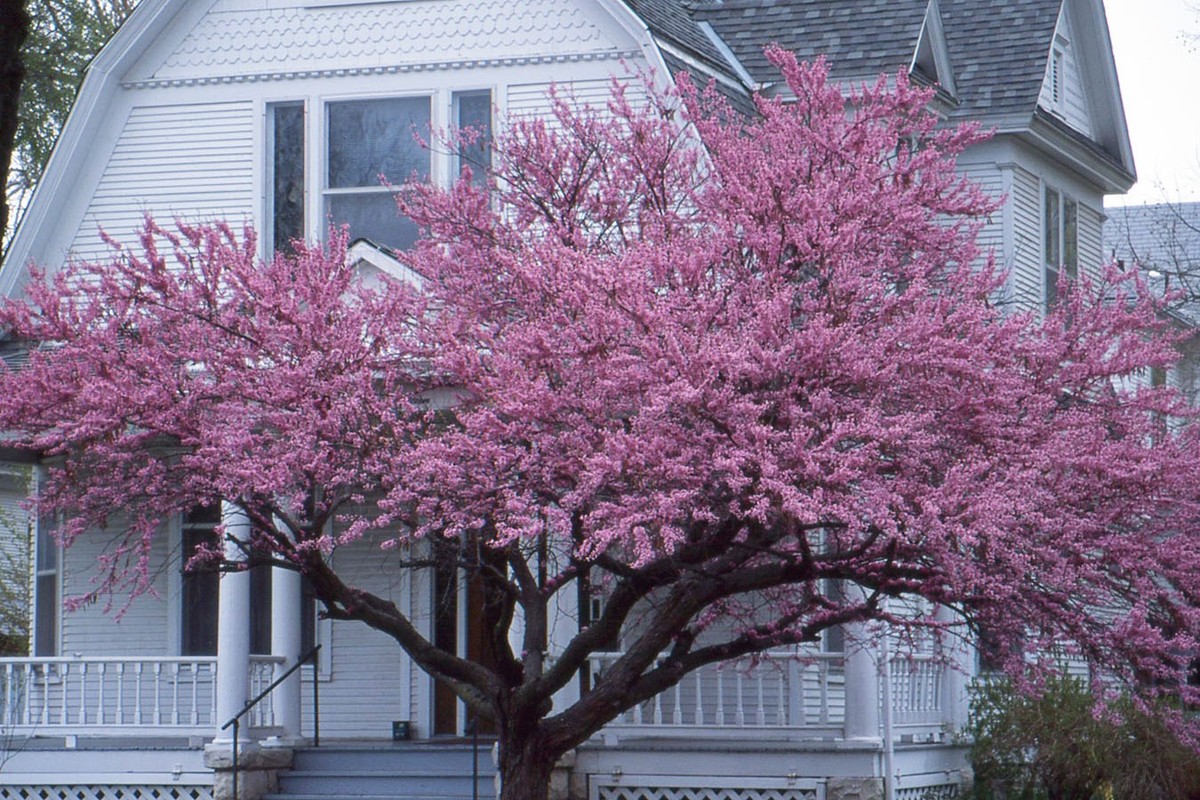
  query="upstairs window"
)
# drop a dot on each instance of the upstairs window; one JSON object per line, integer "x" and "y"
{"x": 285, "y": 142}
{"x": 373, "y": 146}
{"x": 473, "y": 111}
{"x": 1060, "y": 239}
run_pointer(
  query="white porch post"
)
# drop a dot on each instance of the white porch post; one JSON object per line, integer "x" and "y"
{"x": 862, "y": 678}
{"x": 563, "y": 625}
{"x": 286, "y": 607}
{"x": 233, "y": 628}
{"x": 960, "y": 669}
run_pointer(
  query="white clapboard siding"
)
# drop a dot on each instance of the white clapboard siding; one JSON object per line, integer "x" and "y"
{"x": 96, "y": 629}
{"x": 362, "y": 694}
{"x": 1091, "y": 243}
{"x": 987, "y": 176}
{"x": 192, "y": 161}
{"x": 533, "y": 99}
{"x": 14, "y": 549}
{"x": 1027, "y": 240}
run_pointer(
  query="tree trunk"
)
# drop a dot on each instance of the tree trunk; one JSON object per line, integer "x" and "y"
{"x": 525, "y": 766}
{"x": 14, "y": 27}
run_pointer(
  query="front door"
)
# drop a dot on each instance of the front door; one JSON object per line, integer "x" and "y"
{"x": 458, "y": 627}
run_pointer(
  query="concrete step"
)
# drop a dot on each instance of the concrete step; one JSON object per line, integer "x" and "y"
{"x": 454, "y": 758}
{"x": 382, "y": 783}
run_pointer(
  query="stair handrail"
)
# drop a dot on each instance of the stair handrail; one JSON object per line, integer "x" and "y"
{"x": 235, "y": 720}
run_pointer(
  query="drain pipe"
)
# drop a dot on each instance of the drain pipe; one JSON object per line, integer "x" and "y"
{"x": 889, "y": 743}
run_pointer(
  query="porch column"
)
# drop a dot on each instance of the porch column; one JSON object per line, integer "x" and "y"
{"x": 233, "y": 626}
{"x": 563, "y": 625}
{"x": 287, "y": 603}
{"x": 958, "y": 645}
{"x": 862, "y": 677}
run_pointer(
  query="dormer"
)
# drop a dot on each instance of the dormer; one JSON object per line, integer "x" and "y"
{"x": 1063, "y": 91}
{"x": 931, "y": 59}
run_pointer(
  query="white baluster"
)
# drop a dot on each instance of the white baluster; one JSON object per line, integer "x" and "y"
{"x": 64, "y": 682}
{"x": 699, "y": 698}
{"x": 102, "y": 667}
{"x": 740, "y": 714}
{"x": 119, "y": 717}
{"x": 138, "y": 719}
{"x": 157, "y": 692}
{"x": 720, "y": 698}
{"x": 46, "y": 693}
{"x": 658, "y": 717}
{"x": 781, "y": 706}
{"x": 83, "y": 671}
{"x": 175, "y": 693}
{"x": 823, "y": 692}
{"x": 637, "y": 714}
{"x": 677, "y": 712}
{"x": 762, "y": 709}
{"x": 193, "y": 716}
{"x": 28, "y": 689}
{"x": 796, "y": 693}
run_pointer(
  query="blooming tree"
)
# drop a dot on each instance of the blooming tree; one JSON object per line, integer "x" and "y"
{"x": 702, "y": 365}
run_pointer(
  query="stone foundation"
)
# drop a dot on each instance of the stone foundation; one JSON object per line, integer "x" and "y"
{"x": 258, "y": 769}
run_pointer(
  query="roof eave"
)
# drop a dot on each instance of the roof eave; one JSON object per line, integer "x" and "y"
{"x": 1097, "y": 165}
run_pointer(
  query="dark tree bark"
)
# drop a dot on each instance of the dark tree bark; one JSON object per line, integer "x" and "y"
{"x": 14, "y": 28}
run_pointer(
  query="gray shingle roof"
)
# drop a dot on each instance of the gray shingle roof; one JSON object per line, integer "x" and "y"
{"x": 1165, "y": 237}
{"x": 860, "y": 39}
{"x": 998, "y": 48}
{"x": 672, "y": 21}
{"x": 1164, "y": 241}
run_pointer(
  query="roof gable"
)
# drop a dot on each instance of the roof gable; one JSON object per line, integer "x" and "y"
{"x": 931, "y": 61}
{"x": 234, "y": 39}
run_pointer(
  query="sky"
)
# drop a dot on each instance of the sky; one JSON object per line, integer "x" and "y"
{"x": 1159, "y": 70}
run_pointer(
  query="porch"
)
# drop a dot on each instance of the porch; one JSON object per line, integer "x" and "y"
{"x": 777, "y": 695}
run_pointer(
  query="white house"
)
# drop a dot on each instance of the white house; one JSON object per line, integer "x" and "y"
{"x": 256, "y": 110}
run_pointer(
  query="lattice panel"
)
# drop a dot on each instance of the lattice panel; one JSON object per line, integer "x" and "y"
{"x": 946, "y": 791}
{"x": 104, "y": 792}
{"x": 699, "y": 793}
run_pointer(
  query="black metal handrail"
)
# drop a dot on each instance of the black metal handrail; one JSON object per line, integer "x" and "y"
{"x": 235, "y": 721}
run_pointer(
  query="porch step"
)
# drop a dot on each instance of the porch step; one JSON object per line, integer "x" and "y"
{"x": 387, "y": 772}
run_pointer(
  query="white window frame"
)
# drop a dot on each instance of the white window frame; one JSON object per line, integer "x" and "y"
{"x": 39, "y": 572}
{"x": 1054, "y": 264}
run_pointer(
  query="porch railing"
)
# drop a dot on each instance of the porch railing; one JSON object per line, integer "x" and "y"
{"x": 775, "y": 690}
{"x": 782, "y": 691}
{"x": 118, "y": 694}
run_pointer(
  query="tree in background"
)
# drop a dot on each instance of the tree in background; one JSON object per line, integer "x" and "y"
{"x": 62, "y": 40}
{"x": 14, "y": 28}
{"x": 703, "y": 368}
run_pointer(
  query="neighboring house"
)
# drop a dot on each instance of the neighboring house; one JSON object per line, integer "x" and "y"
{"x": 1163, "y": 241}
{"x": 258, "y": 110}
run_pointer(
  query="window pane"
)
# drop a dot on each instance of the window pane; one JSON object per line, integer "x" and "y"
{"x": 1071, "y": 238}
{"x": 45, "y": 639}
{"x": 373, "y": 215}
{"x": 199, "y": 595}
{"x": 260, "y": 610}
{"x": 47, "y": 548}
{"x": 473, "y": 110}
{"x": 370, "y": 140}
{"x": 1052, "y": 230}
{"x": 287, "y": 210}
